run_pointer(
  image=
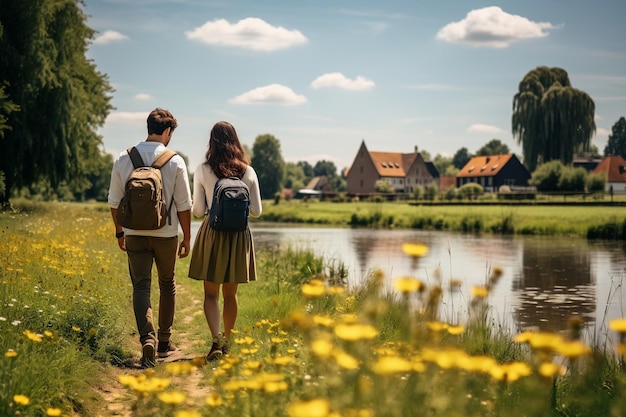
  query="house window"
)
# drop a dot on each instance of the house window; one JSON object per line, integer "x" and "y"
{"x": 361, "y": 169}
{"x": 361, "y": 184}
{"x": 490, "y": 181}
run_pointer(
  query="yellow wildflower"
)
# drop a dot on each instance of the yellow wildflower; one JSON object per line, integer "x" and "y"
{"x": 355, "y": 332}
{"x": 572, "y": 349}
{"x": 455, "y": 330}
{"x": 479, "y": 292}
{"x": 323, "y": 320}
{"x": 180, "y": 368}
{"x": 315, "y": 288}
{"x": 619, "y": 325}
{"x": 391, "y": 365}
{"x": 510, "y": 372}
{"x": 322, "y": 347}
{"x": 76, "y": 328}
{"x": 317, "y": 407}
{"x": 408, "y": 285}
{"x": 214, "y": 400}
{"x": 345, "y": 360}
{"x": 10, "y": 353}
{"x": 33, "y": 336}
{"x": 172, "y": 397}
{"x": 53, "y": 412}
{"x": 436, "y": 326}
{"x": 21, "y": 399}
{"x": 416, "y": 250}
{"x": 271, "y": 387}
{"x": 549, "y": 369}
{"x": 185, "y": 413}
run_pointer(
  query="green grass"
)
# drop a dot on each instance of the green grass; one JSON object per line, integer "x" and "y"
{"x": 575, "y": 220}
{"x": 303, "y": 345}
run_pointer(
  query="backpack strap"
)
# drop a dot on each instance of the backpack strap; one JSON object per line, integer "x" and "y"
{"x": 158, "y": 163}
{"x": 165, "y": 156}
{"x": 135, "y": 157}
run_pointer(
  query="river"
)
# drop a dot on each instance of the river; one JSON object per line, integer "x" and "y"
{"x": 546, "y": 280}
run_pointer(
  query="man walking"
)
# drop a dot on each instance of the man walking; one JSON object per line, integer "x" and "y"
{"x": 159, "y": 246}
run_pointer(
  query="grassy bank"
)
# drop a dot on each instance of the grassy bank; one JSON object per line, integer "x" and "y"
{"x": 577, "y": 220}
{"x": 303, "y": 347}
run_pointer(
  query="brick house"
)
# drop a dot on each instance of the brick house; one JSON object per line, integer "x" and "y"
{"x": 493, "y": 171}
{"x": 614, "y": 168}
{"x": 403, "y": 171}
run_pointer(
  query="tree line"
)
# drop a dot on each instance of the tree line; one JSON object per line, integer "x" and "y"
{"x": 53, "y": 99}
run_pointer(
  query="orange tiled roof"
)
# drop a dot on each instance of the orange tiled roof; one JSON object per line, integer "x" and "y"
{"x": 392, "y": 164}
{"x": 611, "y": 167}
{"x": 484, "y": 166}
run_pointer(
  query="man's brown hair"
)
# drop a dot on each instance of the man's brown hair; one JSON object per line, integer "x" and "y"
{"x": 159, "y": 120}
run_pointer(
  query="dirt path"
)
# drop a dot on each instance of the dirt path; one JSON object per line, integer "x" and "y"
{"x": 189, "y": 334}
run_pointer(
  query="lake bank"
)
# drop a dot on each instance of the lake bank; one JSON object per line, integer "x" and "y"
{"x": 583, "y": 220}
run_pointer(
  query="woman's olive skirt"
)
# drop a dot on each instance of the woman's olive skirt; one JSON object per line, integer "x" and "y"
{"x": 222, "y": 257}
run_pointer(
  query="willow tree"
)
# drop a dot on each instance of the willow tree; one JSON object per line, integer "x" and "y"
{"x": 551, "y": 119}
{"x": 58, "y": 98}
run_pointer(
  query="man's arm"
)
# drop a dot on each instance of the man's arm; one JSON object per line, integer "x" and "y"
{"x": 184, "y": 217}
{"x": 121, "y": 242}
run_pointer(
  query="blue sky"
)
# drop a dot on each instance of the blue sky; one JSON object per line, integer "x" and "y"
{"x": 322, "y": 76}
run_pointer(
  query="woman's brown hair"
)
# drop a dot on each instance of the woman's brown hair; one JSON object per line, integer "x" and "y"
{"x": 226, "y": 156}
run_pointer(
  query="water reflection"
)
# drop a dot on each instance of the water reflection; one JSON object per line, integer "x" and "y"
{"x": 556, "y": 283}
{"x": 546, "y": 280}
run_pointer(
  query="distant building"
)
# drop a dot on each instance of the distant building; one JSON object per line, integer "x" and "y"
{"x": 588, "y": 163}
{"x": 403, "y": 171}
{"x": 614, "y": 168}
{"x": 493, "y": 171}
{"x": 318, "y": 186}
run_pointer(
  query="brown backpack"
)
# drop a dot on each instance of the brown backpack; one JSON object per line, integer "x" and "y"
{"x": 143, "y": 206}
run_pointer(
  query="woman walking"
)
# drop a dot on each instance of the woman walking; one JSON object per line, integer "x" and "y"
{"x": 222, "y": 259}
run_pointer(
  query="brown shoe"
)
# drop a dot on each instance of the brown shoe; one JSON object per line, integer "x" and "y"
{"x": 148, "y": 359}
{"x": 214, "y": 353}
{"x": 165, "y": 349}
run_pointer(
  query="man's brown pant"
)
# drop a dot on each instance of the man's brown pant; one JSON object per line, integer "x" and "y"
{"x": 142, "y": 251}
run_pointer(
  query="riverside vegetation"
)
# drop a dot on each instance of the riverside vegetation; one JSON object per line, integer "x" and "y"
{"x": 583, "y": 220}
{"x": 305, "y": 345}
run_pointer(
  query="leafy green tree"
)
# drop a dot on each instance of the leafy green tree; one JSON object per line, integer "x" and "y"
{"x": 572, "y": 179}
{"x": 62, "y": 97}
{"x": 596, "y": 182}
{"x": 294, "y": 176}
{"x": 551, "y": 119}
{"x": 461, "y": 157}
{"x": 547, "y": 176}
{"x": 445, "y": 166}
{"x": 269, "y": 164}
{"x": 324, "y": 167}
{"x": 493, "y": 147}
{"x": 307, "y": 169}
{"x": 617, "y": 139}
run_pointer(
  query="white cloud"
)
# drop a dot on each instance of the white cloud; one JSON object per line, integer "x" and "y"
{"x": 492, "y": 27}
{"x": 482, "y": 128}
{"x": 337, "y": 79}
{"x": 143, "y": 97}
{"x": 270, "y": 94}
{"x": 126, "y": 117}
{"x": 603, "y": 133}
{"x": 250, "y": 33}
{"x": 110, "y": 36}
